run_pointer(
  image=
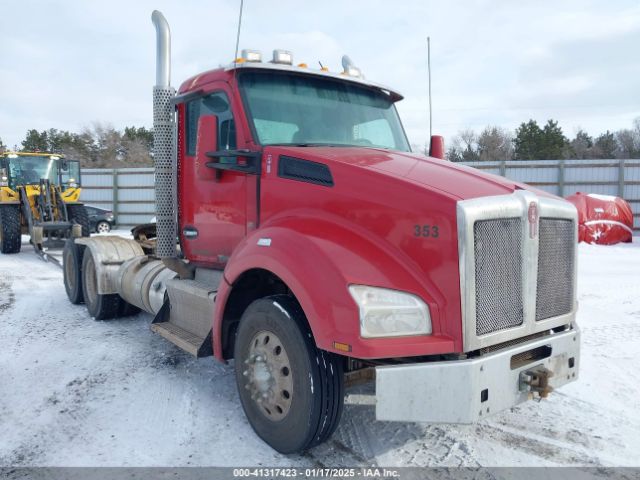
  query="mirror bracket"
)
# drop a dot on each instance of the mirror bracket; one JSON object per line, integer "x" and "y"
{"x": 252, "y": 166}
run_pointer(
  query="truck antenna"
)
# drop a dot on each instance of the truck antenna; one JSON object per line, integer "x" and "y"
{"x": 235, "y": 57}
{"x": 429, "y": 70}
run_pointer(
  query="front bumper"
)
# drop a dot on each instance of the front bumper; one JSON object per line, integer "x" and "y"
{"x": 465, "y": 391}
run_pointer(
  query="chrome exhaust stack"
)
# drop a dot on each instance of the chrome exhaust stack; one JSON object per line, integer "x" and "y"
{"x": 164, "y": 141}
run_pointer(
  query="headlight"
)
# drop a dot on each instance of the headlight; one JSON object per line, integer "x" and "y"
{"x": 390, "y": 313}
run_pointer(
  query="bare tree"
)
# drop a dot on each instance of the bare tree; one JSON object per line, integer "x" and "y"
{"x": 628, "y": 143}
{"x": 581, "y": 147}
{"x": 423, "y": 149}
{"x": 464, "y": 147}
{"x": 494, "y": 143}
{"x": 136, "y": 153}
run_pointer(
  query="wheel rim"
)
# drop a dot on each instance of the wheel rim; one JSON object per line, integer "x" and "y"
{"x": 269, "y": 375}
{"x": 91, "y": 282}
{"x": 103, "y": 227}
{"x": 69, "y": 270}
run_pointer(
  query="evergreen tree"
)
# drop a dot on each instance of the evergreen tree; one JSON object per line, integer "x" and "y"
{"x": 535, "y": 143}
{"x": 606, "y": 145}
{"x": 528, "y": 142}
{"x": 553, "y": 141}
{"x": 35, "y": 141}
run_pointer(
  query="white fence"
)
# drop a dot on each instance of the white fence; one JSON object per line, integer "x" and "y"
{"x": 565, "y": 177}
{"x": 129, "y": 191}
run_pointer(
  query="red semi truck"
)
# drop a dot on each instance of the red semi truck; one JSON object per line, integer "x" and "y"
{"x": 298, "y": 236}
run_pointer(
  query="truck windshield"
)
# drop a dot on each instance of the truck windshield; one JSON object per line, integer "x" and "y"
{"x": 26, "y": 169}
{"x": 291, "y": 109}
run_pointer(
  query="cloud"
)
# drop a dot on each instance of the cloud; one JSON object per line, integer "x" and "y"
{"x": 497, "y": 62}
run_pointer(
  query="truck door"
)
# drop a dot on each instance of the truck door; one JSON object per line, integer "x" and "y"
{"x": 212, "y": 205}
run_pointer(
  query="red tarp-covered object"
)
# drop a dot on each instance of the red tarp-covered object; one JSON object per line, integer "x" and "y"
{"x": 603, "y": 219}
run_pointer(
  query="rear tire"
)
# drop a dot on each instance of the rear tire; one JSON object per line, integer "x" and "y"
{"x": 10, "y": 229}
{"x": 72, "y": 271}
{"x": 78, "y": 214}
{"x": 100, "y": 307}
{"x": 292, "y": 393}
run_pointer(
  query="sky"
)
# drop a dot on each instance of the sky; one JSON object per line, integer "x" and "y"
{"x": 68, "y": 64}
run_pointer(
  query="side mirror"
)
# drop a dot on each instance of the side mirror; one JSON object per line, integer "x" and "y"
{"x": 207, "y": 141}
{"x": 436, "y": 147}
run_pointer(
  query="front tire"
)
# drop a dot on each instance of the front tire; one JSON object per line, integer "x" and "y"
{"x": 99, "y": 306}
{"x": 292, "y": 393}
{"x": 10, "y": 229}
{"x": 78, "y": 215}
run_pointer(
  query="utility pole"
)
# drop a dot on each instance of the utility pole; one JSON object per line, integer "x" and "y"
{"x": 429, "y": 69}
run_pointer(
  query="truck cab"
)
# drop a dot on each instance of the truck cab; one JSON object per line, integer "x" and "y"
{"x": 316, "y": 251}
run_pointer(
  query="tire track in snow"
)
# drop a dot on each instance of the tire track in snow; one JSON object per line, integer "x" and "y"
{"x": 71, "y": 408}
{"x": 554, "y": 451}
{"x": 7, "y": 297}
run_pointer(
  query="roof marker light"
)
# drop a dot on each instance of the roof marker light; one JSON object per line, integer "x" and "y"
{"x": 283, "y": 57}
{"x": 251, "y": 55}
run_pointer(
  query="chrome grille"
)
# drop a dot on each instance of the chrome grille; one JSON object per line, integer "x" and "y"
{"x": 556, "y": 257}
{"x": 517, "y": 266}
{"x": 498, "y": 274}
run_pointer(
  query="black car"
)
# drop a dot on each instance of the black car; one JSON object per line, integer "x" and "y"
{"x": 100, "y": 220}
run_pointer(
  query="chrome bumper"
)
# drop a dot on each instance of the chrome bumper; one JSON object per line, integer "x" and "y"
{"x": 465, "y": 391}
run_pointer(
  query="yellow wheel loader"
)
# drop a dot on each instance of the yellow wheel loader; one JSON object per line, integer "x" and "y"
{"x": 39, "y": 197}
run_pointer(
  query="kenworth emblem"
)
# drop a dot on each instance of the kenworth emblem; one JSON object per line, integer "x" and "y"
{"x": 533, "y": 219}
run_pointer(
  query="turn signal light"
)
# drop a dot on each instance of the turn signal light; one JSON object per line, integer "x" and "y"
{"x": 343, "y": 347}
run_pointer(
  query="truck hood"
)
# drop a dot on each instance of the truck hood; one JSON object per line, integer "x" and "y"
{"x": 455, "y": 180}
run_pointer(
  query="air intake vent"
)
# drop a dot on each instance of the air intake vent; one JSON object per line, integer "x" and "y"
{"x": 555, "y": 268}
{"x": 498, "y": 262}
{"x": 304, "y": 171}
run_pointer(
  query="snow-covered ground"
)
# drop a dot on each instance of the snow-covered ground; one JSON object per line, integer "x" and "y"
{"x": 76, "y": 392}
